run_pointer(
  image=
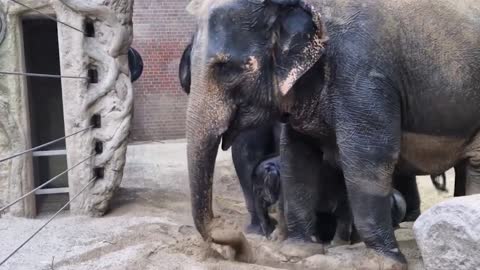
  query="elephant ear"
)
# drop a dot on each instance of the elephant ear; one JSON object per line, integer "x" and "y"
{"x": 184, "y": 69}
{"x": 299, "y": 42}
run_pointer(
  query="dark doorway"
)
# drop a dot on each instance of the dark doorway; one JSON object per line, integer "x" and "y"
{"x": 46, "y": 110}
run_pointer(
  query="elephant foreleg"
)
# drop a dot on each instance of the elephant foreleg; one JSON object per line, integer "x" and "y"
{"x": 368, "y": 135}
{"x": 299, "y": 176}
{"x": 248, "y": 150}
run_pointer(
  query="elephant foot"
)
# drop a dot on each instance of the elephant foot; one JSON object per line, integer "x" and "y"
{"x": 375, "y": 260}
{"x": 262, "y": 229}
{"x": 296, "y": 250}
{"x": 267, "y": 232}
{"x": 254, "y": 229}
{"x": 269, "y": 227}
{"x": 278, "y": 235}
{"x": 339, "y": 242}
{"x": 399, "y": 208}
{"x": 237, "y": 241}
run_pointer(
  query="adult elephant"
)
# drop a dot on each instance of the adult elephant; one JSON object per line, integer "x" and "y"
{"x": 395, "y": 85}
{"x": 255, "y": 145}
{"x": 248, "y": 150}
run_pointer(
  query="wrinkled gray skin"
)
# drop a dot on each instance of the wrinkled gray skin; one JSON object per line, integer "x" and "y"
{"x": 333, "y": 216}
{"x": 324, "y": 187}
{"x": 255, "y": 145}
{"x": 258, "y": 144}
{"x": 395, "y": 86}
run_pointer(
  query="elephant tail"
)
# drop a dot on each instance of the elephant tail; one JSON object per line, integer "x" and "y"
{"x": 439, "y": 182}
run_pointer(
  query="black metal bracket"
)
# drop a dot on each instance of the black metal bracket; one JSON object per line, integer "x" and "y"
{"x": 96, "y": 121}
{"x": 89, "y": 28}
{"x": 99, "y": 172}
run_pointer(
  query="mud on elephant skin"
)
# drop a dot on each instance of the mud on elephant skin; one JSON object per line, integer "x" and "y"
{"x": 363, "y": 80}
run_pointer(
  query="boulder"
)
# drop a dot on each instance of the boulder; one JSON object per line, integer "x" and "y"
{"x": 448, "y": 234}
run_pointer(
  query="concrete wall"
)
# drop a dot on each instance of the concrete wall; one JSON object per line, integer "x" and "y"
{"x": 162, "y": 28}
{"x": 15, "y": 175}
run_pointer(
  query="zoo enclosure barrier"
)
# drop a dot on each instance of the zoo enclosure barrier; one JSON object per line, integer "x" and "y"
{"x": 95, "y": 123}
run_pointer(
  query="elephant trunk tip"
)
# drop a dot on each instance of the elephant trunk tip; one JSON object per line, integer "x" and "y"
{"x": 237, "y": 241}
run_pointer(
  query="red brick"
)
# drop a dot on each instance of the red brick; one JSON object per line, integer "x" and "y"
{"x": 162, "y": 29}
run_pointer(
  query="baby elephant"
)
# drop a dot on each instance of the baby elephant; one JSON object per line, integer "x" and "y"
{"x": 333, "y": 216}
{"x": 266, "y": 191}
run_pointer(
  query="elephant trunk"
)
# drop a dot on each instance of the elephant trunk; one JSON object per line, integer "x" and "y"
{"x": 202, "y": 147}
{"x": 208, "y": 118}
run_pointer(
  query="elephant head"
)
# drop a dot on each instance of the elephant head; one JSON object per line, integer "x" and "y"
{"x": 244, "y": 58}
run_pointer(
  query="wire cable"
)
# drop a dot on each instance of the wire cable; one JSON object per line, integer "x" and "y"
{"x": 48, "y": 16}
{"x": 44, "y": 184}
{"x": 41, "y": 75}
{"x": 48, "y": 221}
{"x": 44, "y": 145}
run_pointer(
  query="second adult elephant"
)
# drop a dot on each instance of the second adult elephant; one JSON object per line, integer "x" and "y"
{"x": 249, "y": 148}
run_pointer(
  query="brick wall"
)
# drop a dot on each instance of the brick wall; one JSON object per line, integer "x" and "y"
{"x": 162, "y": 28}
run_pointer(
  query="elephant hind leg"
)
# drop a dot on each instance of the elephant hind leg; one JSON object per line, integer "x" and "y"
{"x": 471, "y": 169}
{"x": 407, "y": 186}
{"x": 460, "y": 179}
{"x": 472, "y": 179}
{"x": 299, "y": 180}
{"x": 326, "y": 227}
{"x": 344, "y": 223}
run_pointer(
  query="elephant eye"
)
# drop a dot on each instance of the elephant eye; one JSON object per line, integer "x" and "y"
{"x": 251, "y": 64}
{"x": 227, "y": 72}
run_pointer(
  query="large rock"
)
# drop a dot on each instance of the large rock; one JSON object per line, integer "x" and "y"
{"x": 448, "y": 234}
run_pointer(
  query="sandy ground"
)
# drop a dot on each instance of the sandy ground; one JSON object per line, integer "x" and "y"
{"x": 150, "y": 226}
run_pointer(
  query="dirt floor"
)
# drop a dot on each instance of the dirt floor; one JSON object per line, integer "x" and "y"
{"x": 150, "y": 225}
